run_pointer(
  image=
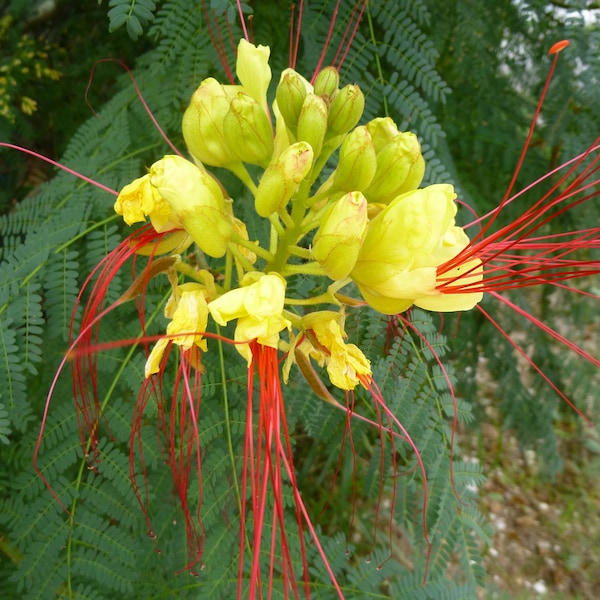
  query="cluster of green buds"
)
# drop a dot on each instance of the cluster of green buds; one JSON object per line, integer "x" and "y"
{"x": 356, "y": 219}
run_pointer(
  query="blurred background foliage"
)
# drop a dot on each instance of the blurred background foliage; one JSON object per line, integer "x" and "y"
{"x": 465, "y": 76}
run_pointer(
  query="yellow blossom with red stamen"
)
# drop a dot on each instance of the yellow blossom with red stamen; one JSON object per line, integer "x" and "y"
{"x": 258, "y": 306}
{"x": 188, "y": 310}
{"x": 405, "y": 243}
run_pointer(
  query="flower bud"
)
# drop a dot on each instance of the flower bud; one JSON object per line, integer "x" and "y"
{"x": 253, "y": 71}
{"x": 341, "y": 234}
{"x": 247, "y": 130}
{"x": 345, "y": 109}
{"x": 327, "y": 82}
{"x": 281, "y": 178}
{"x": 196, "y": 199}
{"x": 203, "y": 123}
{"x": 291, "y": 91}
{"x": 312, "y": 122}
{"x": 357, "y": 163}
{"x": 382, "y": 130}
{"x": 400, "y": 168}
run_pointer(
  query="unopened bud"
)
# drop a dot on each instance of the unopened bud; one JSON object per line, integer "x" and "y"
{"x": 247, "y": 130}
{"x": 291, "y": 91}
{"x": 357, "y": 162}
{"x": 203, "y": 123}
{"x": 400, "y": 168}
{"x": 346, "y": 109}
{"x": 196, "y": 199}
{"x": 312, "y": 122}
{"x": 382, "y": 130}
{"x": 281, "y": 178}
{"x": 341, "y": 234}
{"x": 327, "y": 82}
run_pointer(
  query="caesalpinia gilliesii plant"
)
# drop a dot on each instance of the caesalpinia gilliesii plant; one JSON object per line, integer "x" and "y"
{"x": 365, "y": 229}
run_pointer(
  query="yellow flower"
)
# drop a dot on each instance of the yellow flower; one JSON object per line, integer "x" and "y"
{"x": 188, "y": 309}
{"x": 405, "y": 243}
{"x": 196, "y": 200}
{"x": 346, "y": 363}
{"x": 139, "y": 199}
{"x": 257, "y": 306}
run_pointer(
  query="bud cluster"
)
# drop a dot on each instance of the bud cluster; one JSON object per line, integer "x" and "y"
{"x": 366, "y": 222}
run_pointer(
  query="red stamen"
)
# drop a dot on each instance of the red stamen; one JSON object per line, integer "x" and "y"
{"x": 267, "y": 449}
{"x": 217, "y": 43}
{"x": 353, "y": 18}
{"x": 61, "y": 166}
{"x": 349, "y": 32}
{"x": 139, "y": 95}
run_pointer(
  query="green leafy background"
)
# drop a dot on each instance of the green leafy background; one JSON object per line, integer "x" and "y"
{"x": 465, "y": 77}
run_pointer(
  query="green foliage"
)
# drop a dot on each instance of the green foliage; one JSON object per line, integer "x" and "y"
{"x": 359, "y": 483}
{"x": 134, "y": 14}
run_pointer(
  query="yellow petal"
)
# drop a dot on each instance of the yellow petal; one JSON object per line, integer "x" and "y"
{"x": 153, "y": 361}
{"x": 253, "y": 71}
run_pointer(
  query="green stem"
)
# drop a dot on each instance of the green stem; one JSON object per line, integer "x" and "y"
{"x": 252, "y": 246}
{"x": 228, "y": 428}
{"x": 240, "y": 171}
{"x": 311, "y": 268}
{"x": 244, "y": 262}
{"x": 325, "y": 298}
{"x": 377, "y": 61}
{"x": 301, "y": 252}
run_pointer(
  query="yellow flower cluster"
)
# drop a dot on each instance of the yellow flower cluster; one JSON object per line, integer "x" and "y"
{"x": 28, "y": 62}
{"x": 367, "y": 225}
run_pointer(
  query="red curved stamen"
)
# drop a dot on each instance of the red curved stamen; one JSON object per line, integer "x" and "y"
{"x": 61, "y": 166}
{"x": 347, "y": 36}
{"x": 139, "y": 95}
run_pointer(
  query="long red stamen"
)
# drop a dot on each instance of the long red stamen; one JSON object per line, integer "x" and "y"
{"x": 139, "y": 95}
{"x": 61, "y": 166}
{"x": 214, "y": 31}
{"x": 347, "y": 36}
{"x": 521, "y": 254}
{"x": 394, "y": 422}
{"x": 267, "y": 449}
{"x": 84, "y": 363}
{"x": 353, "y": 23}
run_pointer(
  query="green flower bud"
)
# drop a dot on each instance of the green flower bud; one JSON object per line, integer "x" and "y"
{"x": 345, "y": 109}
{"x": 197, "y": 201}
{"x": 312, "y": 122}
{"x": 327, "y": 82}
{"x": 203, "y": 123}
{"x": 341, "y": 234}
{"x": 281, "y": 178}
{"x": 357, "y": 163}
{"x": 382, "y": 131}
{"x": 247, "y": 130}
{"x": 291, "y": 91}
{"x": 400, "y": 168}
